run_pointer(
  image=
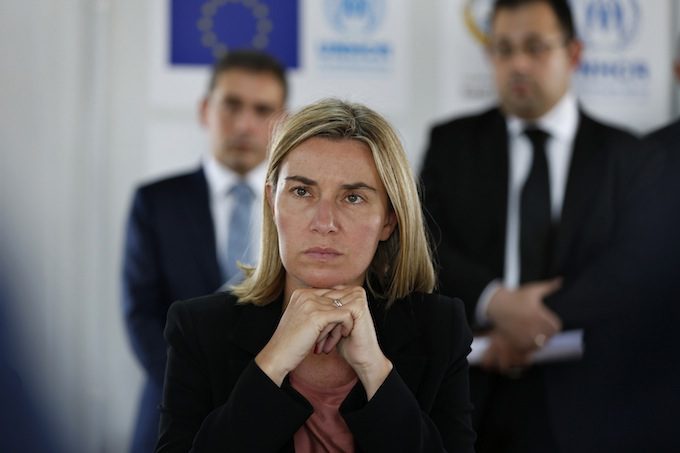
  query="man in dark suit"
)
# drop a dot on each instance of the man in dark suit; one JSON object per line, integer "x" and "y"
{"x": 626, "y": 390}
{"x": 520, "y": 199}
{"x": 183, "y": 230}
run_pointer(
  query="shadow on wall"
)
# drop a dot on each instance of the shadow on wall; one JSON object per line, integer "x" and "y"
{"x": 28, "y": 430}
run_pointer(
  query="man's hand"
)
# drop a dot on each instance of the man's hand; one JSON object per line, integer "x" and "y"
{"x": 520, "y": 316}
{"x": 502, "y": 356}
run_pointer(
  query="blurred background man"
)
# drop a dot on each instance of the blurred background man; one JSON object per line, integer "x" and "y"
{"x": 521, "y": 198}
{"x": 186, "y": 233}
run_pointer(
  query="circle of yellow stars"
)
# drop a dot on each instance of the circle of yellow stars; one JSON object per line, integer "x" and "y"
{"x": 206, "y": 25}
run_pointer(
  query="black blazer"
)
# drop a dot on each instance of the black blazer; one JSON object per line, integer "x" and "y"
{"x": 627, "y": 386}
{"x": 465, "y": 178}
{"x": 216, "y": 398}
{"x": 169, "y": 255}
{"x": 465, "y": 191}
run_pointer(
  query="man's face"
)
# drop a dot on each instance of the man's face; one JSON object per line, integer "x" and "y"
{"x": 238, "y": 114}
{"x": 532, "y": 61}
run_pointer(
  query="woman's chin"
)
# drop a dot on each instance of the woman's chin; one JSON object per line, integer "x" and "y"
{"x": 326, "y": 283}
{"x": 328, "y": 280}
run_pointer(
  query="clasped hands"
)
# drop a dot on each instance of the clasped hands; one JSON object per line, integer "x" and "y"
{"x": 313, "y": 323}
{"x": 522, "y": 324}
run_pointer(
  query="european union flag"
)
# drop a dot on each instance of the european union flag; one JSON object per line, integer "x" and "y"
{"x": 203, "y": 30}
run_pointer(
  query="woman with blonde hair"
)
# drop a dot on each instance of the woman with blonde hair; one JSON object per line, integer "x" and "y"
{"x": 334, "y": 341}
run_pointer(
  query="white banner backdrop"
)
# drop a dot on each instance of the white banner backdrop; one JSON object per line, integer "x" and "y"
{"x": 355, "y": 50}
{"x": 465, "y": 81}
{"x": 625, "y": 76}
{"x": 171, "y": 88}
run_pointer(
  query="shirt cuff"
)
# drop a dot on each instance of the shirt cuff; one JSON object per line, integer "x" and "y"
{"x": 483, "y": 302}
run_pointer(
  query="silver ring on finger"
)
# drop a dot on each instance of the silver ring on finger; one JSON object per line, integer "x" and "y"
{"x": 539, "y": 340}
{"x": 337, "y": 303}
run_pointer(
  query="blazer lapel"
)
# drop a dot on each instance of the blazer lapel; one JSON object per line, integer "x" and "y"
{"x": 398, "y": 338}
{"x": 493, "y": 158}
{"x": 256, "y": 325}
{"x": 582, "y": 178}
{"x": 196, "y": 204}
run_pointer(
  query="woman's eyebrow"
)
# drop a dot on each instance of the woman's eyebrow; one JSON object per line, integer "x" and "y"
{"x": 358, "y": 185}
{"x": 302, "y": 179}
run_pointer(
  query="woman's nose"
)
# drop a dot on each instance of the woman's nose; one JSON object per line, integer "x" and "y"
{"x": 325, "y": 218}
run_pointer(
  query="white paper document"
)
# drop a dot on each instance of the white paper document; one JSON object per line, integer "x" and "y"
{"x": 563, "y": 346}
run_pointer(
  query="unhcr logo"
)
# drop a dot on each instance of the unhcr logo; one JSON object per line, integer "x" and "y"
{"x": 355, "y": 16}
{"x": 607, "y": 24}
{"x": 360, "y": 45}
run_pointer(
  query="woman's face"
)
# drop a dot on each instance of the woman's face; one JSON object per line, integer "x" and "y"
{"x": 331, "y": 211}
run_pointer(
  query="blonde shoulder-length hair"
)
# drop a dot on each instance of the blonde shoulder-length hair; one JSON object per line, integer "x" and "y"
{"x": 402, "y": 264}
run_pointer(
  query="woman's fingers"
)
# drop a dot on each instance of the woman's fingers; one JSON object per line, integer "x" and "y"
{"x": 328, "y": 335}
{"x": 329, "y": 343}
{"x": 324, "y": 333}
{"x": 340, "y": 325}
{"x": 332, "y": 311}
{"x": 333, "y": 322}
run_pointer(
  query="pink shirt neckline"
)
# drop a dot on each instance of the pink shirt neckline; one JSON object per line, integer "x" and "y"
{"x": 325, "y": 430}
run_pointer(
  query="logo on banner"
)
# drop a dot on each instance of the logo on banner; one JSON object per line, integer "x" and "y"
{"x": 353, "y": 24}
{"x": 355, "y": 16}
{"x": 204, "y": 30}
{"x": 608, "y": 24}
{"x": 476, "y": 15}
{"x": 610, "y": 67}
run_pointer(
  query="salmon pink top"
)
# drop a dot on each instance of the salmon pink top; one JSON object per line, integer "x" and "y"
{"x": 325, "y": 430}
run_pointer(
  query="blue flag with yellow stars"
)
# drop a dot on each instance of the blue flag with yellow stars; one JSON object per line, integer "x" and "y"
{"x": 201, "y": 31}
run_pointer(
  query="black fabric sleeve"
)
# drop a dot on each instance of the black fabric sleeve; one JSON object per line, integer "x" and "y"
{"x": 393, "y": 421}
{"x": 258, "y": 416}
{"x": 144, "y": 292}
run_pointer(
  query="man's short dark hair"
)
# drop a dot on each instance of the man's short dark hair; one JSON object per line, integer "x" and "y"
{"x": 249, "y": 60}
{"x": 560, "y": 8}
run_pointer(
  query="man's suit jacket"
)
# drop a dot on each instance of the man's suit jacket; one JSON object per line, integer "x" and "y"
{"x": 465, "y": 179}
{"x": 465, "y": 192}
{"x": 629, "y": 380}
{"x": 169, "y": 255}
{"x": 217, "y": 399}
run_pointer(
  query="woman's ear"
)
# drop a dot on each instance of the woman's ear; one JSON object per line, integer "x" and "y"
{"x": 389, "y": 226}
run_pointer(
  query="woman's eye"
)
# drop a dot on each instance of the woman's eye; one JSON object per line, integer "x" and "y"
{"x": 300, "y": 191}
{"x": 354, "y": 198}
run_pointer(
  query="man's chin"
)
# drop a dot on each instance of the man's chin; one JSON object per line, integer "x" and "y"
{"x": 241, "y": 161}
{"x": 524, "y": 109}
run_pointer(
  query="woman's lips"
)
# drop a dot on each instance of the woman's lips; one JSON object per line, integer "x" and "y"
{"x": 322, "y": 253}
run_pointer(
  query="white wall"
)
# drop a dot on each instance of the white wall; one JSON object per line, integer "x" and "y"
{"x": 77, "y": 132}
{"x": 72, "y": 139}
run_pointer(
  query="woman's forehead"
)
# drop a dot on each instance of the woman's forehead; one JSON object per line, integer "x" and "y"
{"x": 324, "y": 158}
